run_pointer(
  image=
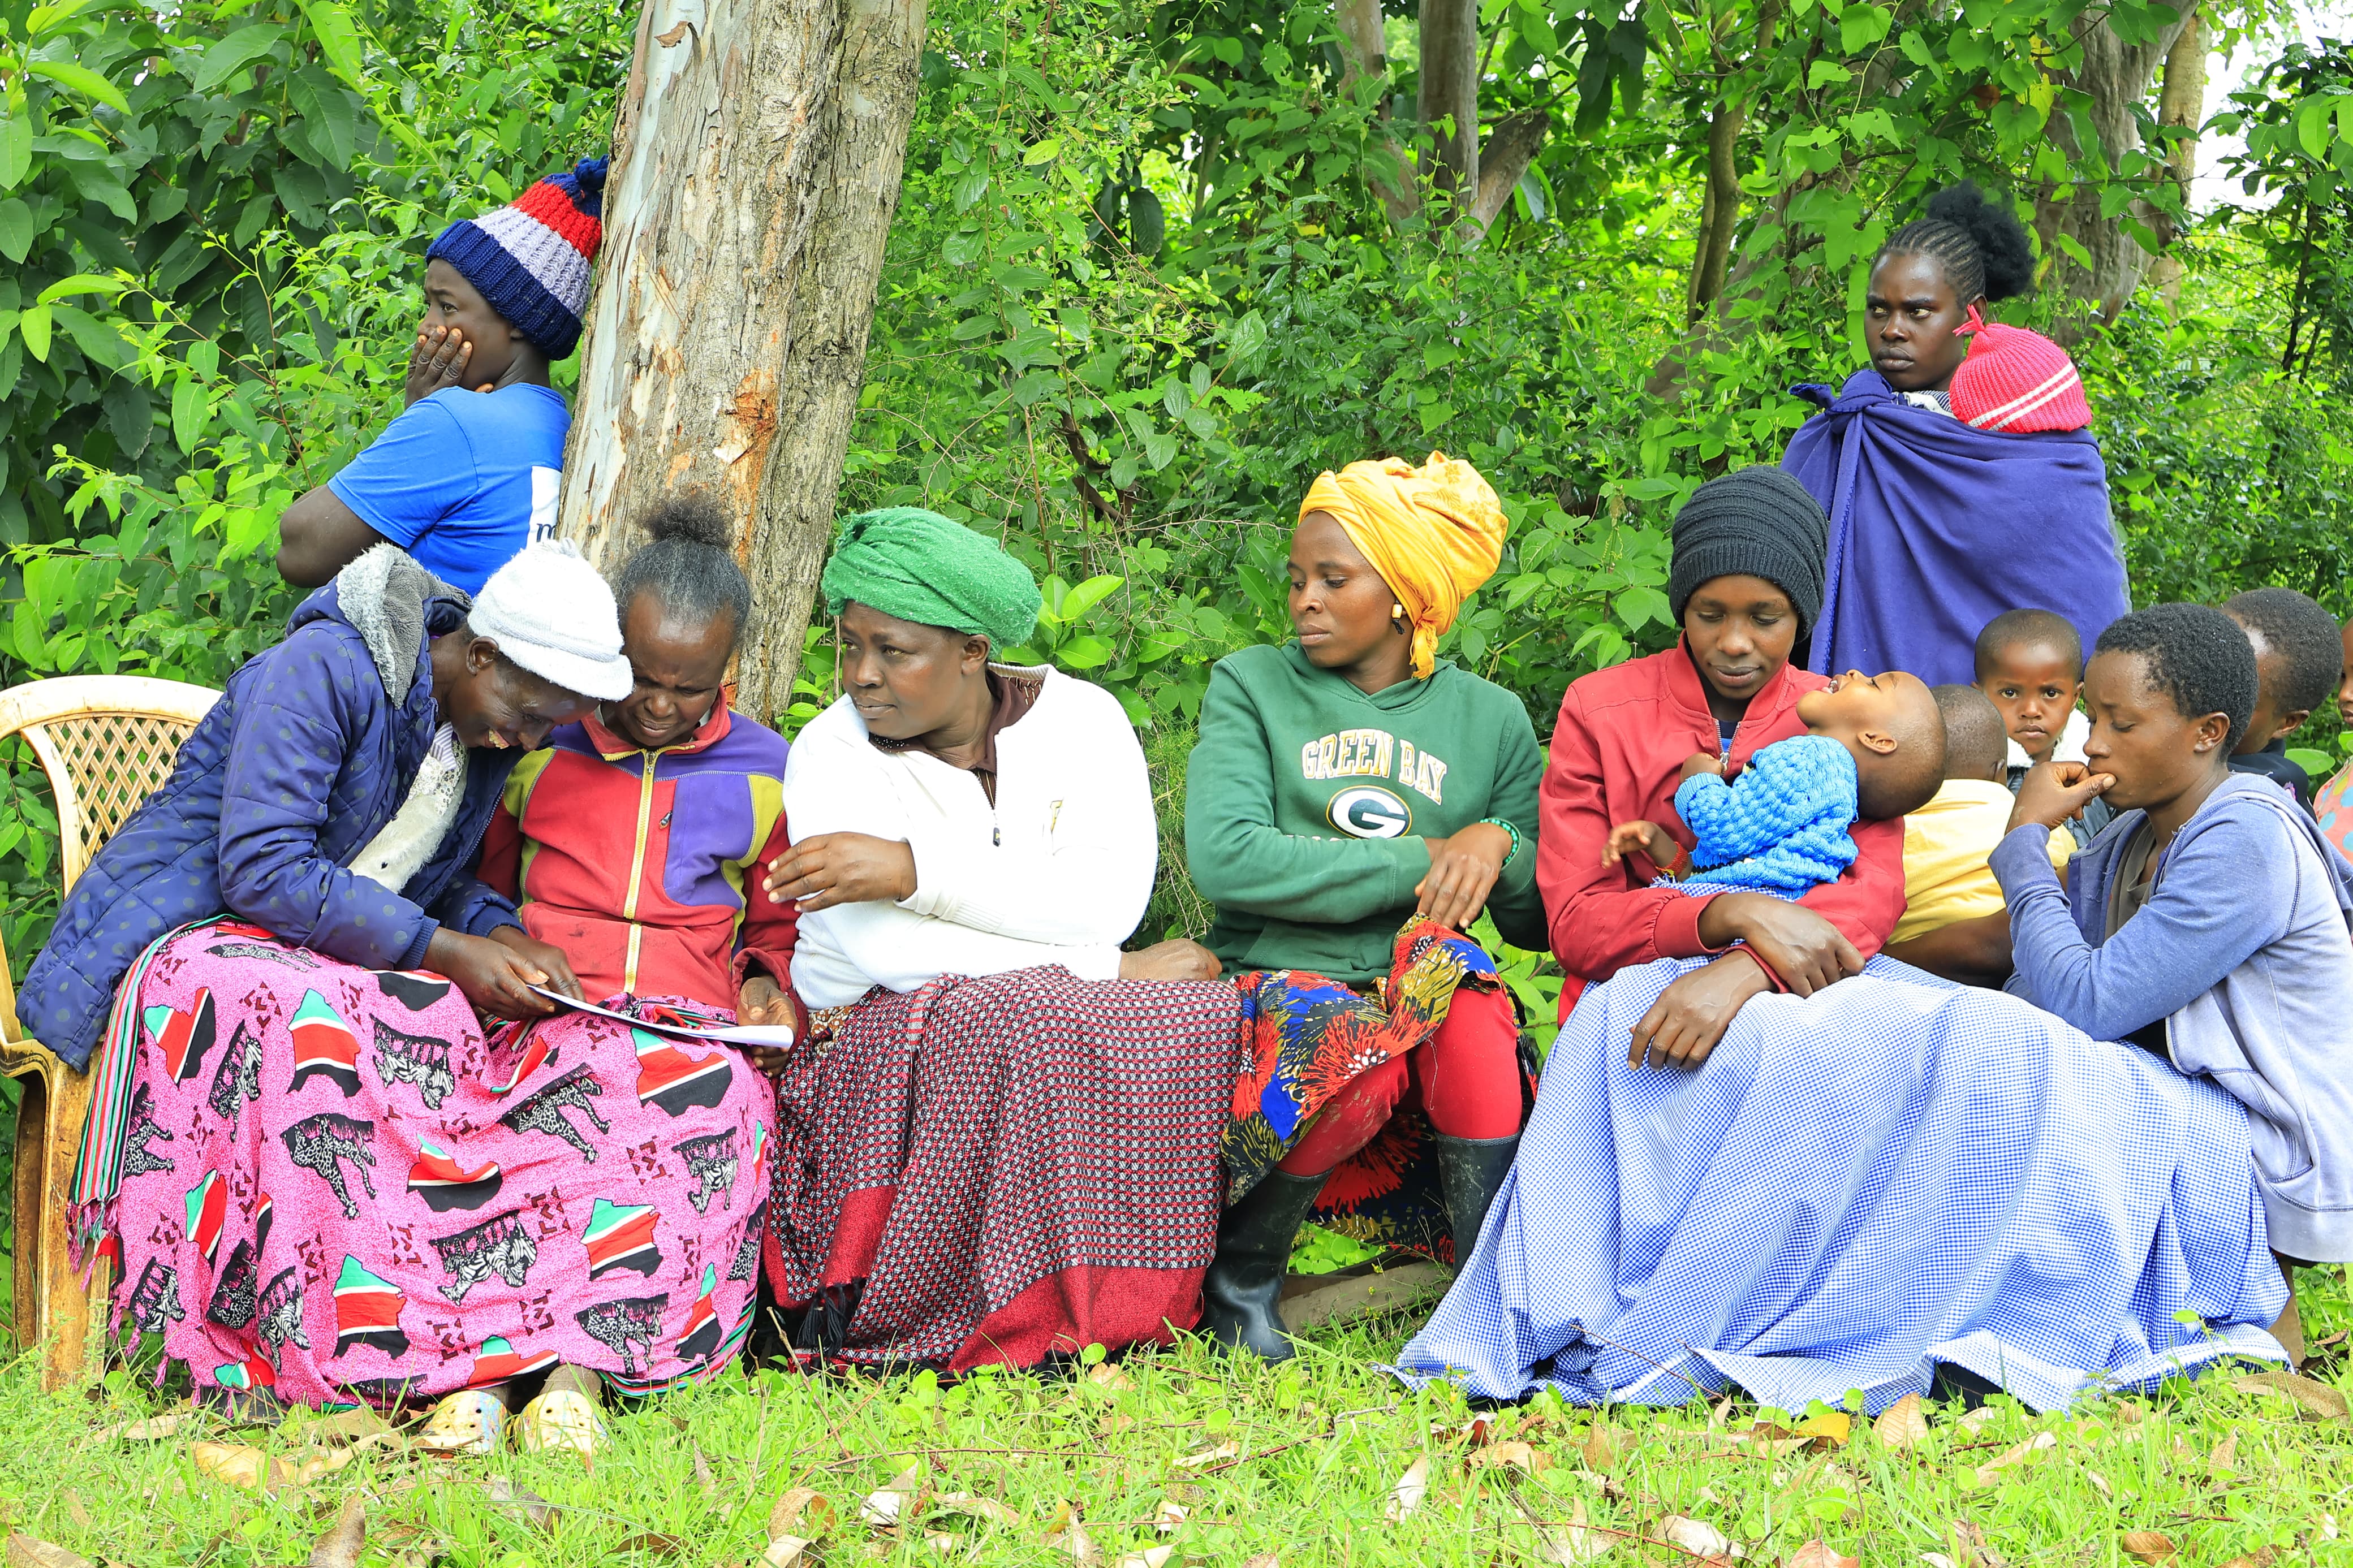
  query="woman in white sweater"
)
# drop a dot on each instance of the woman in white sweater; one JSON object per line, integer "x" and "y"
{"x": 1000, "y": 1142}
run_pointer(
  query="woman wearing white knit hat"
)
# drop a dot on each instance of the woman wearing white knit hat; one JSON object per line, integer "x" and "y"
{"x": 277, "y": 973}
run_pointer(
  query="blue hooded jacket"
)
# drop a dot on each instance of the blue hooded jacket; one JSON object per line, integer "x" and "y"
{"x": 296, "y": 768}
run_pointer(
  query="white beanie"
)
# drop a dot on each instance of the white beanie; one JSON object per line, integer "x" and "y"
{"x": 552, "y": 614}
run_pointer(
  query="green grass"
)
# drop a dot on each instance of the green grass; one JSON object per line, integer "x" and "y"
{"x": 1301, "y": 1461}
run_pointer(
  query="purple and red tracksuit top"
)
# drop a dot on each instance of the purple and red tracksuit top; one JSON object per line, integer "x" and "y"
{"x": 649, "y": 868}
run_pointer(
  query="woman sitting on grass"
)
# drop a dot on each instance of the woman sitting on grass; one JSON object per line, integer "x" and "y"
{"x": 2208, "y": 923}
{"x": 1348, "y": 785}
{"x": 321, "y": 1178}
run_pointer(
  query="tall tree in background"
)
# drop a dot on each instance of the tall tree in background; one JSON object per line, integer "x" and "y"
{"x": 756, "y": 156}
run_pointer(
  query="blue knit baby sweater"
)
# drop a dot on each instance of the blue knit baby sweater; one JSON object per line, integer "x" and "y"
{"x": 1780, "y": 826}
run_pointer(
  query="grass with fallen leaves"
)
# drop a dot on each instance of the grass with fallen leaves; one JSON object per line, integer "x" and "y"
{"x": 1185, "y": 1458}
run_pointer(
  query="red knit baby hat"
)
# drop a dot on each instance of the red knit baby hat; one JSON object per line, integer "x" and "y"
{"x": 2018, "y": 381}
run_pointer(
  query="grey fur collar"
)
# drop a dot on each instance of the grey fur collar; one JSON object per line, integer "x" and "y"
{"x": 382, "y": 595}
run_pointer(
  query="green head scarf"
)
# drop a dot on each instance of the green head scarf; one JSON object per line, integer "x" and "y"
{"x": 920, "y": 566}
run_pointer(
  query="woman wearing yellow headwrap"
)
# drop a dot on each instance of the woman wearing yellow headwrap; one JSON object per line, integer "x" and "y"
{"x": 1352, "y": 796}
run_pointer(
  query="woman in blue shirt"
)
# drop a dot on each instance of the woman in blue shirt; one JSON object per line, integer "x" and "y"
{"x": 467, "y": 475}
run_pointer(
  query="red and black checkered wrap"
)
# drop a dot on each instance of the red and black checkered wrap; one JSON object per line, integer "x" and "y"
{"x": 1002, "y": 1168}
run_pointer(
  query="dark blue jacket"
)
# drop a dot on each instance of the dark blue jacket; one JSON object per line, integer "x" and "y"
{"x": 299, "y": 766}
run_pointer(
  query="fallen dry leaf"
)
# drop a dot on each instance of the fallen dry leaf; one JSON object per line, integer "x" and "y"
{"x": 1152, "y": 1558}
{"x": 1104, "y": 1374}
{"x": 2224, "y": 1460}
{"x": 649, "y": 1543}
{"x": 887, "y": 1504}
{"x": 800, "y": 1509}
{"x": 2148, "y": 1545}
{"x": 1407, "y": 1495}
{"x": 1902, "y": 1425}
{"x": 973, "y": 1507}
{"x": 1936, "y": 1559}
{"x": 151, "y": 1429}
{"x": 239, "y": 1465}
{"x": 2315, "y": 1399}
{"x": 77, "y": 1512}
{"x": 24, "y": 1552}
{"x": 347, "y": 1426}
{"x": 704, "y": 1478}
{"x": 2020, "y": 1454}
{"x": 1169, "y": 1514}
{"x": 1065, "y": 1533}
{"x": 340, "y": 1546}
{"x": 1601, "y": 1453}
{"x": 1514, "y": 1455}
{"x": 1977, "y": 1420}
{"x": 505, "y": 1493}
{"x": 1695, "y": 1536}
{"x": 2099, "y": 1483}
{"x": 1832, "y": 1427}
{"x": 1264, "y": 1560}
{"x": 2262, "y": 1557}
{"x": 1573, "y": 1544}
{"x": 1815, "y": 1554}
{"x": 785, "y": 1551}
{"x": 1975, "y": 1549}
{"x": 1228, "y": 1449}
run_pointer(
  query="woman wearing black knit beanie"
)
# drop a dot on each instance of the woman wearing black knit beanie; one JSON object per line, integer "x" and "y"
{"x": 1745, "y": 584}
{"x": 1939, "y": 523}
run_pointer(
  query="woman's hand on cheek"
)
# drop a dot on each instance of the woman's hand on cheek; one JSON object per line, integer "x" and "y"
{"x": 544, "y": 957}
{"x": 1691, "y": 1015}
{"x": 1805, "y": 950}
{"x": 495, "y": 978}
{"x": 1462, "y": 871}
{"x": 843, "y": 868}
{"x": 2056, "y": 791}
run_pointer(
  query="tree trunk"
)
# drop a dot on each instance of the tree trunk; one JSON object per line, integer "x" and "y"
{"x": 2181, "y": 104}
{"x": 755, "y": 167}
{"x": 1511, "y": 147}
{"x": 1719, "y": 208}
{"x": 1364, "y": 56}
{"x": 2116, "y": 76}
{"x": 1450, "y": 91}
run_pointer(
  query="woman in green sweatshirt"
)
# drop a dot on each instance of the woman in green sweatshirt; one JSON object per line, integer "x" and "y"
{"x": 1346, "y": 786}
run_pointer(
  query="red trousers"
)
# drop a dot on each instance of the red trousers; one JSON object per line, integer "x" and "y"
{"x": 1468, "y": 1076}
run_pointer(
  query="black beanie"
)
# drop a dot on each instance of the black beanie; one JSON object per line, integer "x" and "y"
{"x": 1756, "y": 522}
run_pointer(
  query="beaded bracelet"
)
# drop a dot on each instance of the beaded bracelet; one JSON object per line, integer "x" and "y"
{"x": 1499, "y": 822}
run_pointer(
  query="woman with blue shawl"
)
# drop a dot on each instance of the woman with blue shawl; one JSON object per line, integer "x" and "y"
{"x": 1938, "y": 526}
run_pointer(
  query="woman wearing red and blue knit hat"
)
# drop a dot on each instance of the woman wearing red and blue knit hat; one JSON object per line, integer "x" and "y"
{"x": 467, "y": 474}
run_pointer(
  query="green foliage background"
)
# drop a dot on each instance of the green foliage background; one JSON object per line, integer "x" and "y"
{"x": 1140, "y": 291}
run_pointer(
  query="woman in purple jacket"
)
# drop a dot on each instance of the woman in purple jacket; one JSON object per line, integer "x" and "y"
{"x": 295, "y": 905}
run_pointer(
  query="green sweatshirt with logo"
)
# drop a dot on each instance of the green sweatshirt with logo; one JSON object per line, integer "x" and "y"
{"x": 1308, "y": 806}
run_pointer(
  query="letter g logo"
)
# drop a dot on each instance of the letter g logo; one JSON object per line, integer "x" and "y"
{"x": 1365, "y": 812}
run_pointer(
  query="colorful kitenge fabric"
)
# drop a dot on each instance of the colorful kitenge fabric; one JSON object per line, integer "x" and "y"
{"x": 1309, "y": 1038}
{"x": 2332, "y": 807}
{"x": 333, "y": 1186}
{"x": 1004, "y": 1169}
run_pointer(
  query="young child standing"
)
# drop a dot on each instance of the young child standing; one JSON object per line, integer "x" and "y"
{"x": 2031, "y": 663}
{"x": 1873, "y": 748}
{"x": 468, "y": 473}
{"x": 2297, "y": 659}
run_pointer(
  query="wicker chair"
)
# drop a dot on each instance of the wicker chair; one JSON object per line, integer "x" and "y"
{"x": 105, "y": 741}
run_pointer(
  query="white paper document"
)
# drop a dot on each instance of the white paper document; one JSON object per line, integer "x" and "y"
{"x": 777, "y": 1035}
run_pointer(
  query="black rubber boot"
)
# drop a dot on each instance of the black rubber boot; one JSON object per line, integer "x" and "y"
{"x": 1471, "y": 1172}
{"x": 1240, "y": 1292}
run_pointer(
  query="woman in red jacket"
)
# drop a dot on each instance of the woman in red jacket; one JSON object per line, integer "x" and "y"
{"x": 1747, "y": 584}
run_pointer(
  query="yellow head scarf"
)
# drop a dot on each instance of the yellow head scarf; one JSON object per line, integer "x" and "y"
{"x": 1434, "y": 533}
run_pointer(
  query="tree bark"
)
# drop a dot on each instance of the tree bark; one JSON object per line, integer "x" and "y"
{"x": 1364, "y": 56}
{"x": 2182, "y": 105}
{"x": 1719, "y": 209}
{"x": 755, "y": 167}
{"x": 1450, "y": 91}
{"x": 2116, "y": 76}
{"x": 1511, "y": 147}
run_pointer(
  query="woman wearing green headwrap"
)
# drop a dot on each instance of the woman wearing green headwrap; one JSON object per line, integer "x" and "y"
{"x": 1000, "y": 1142}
